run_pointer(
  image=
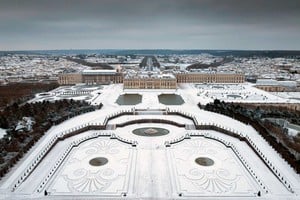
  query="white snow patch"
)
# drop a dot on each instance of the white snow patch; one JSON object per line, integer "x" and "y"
{"x": 2, "y": 132}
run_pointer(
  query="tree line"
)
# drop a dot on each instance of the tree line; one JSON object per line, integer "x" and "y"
{"x": 44, "y": 114}
{"x": 21, "y": 92}
{"x": 276, "y": 135}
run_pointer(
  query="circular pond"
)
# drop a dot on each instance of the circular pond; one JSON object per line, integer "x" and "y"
{"x": 218, "y": 86}
{"x": 98, "y": 161}
{"x": 235, "y": 96}
{"x": 150, "y": 131}
{"x": 44, "y": 94}
{"x": 204, "y": 161}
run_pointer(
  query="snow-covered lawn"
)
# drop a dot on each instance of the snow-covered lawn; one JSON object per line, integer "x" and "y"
{"x": 239, "y": 93}
{"x": 77, "y": 92}
{"x": 2, "y": 132}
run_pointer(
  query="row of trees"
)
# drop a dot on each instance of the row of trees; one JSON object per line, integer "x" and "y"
{"x": 276, "y": 135}
{"x": 20, "y": 92}
{"x": 211, "y": 65}
{"x": 45, "y": 114}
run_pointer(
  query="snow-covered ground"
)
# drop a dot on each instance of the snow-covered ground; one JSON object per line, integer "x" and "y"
{"x": 203, "y": 93}
{"x": 2, "y": 132}
{"x": 288, "y": 95}
{"x": 78, "y": 92}
{"x": 240, "y": 93}
{"x": 151, "y": 169}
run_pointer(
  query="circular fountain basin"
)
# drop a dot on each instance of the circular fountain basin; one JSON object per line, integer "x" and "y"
{"x": 150, "y": 131}
{"x": 98, "y": 161}
{"x": 204, "y": 161}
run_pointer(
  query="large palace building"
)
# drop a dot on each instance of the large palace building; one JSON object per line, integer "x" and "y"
{"x": 165, "y": 81}
{"x": 198, "y": 77}
{"x": 157, "y": 81}
{"x": 91, "y": 77}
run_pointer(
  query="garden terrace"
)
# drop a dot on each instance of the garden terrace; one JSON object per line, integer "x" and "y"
{"x": 254, "y": 118}
{"x": 44, "y": 114}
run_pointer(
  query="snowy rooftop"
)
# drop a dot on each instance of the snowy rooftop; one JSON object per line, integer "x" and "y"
{"x": 154, "y": 75}
{"x": 276, "y": 83}
{"x": 97, "y": 71}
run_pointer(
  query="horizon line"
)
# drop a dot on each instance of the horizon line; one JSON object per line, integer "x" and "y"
{"x": 148, "y": 49}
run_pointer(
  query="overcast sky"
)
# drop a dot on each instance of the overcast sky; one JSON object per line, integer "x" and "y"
{"x": 149, "y": 24}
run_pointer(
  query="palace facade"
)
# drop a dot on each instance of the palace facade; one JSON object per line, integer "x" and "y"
{"x": 96, "y": 77}
{"x": 200, "y": 77}
{"x": 164, "y": 81}
{"x": 70, "y": 79}
{"x": 91, "y": 77}
{"x": 150, "y": 82}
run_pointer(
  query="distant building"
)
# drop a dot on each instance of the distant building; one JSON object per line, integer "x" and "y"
{"x": 271, "y": 85}
{"x": 209, "y": 77}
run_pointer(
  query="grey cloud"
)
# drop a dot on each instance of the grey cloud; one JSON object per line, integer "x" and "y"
{"x": 259, "y": 24}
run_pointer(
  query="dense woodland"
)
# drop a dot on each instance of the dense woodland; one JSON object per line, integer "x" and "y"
{"x": 94, "y": 65}
{"x": 211, "y": 65}
{"x": 44, "y": 114}
{"x": 20, "y": 92}
{"x": 277, "y": 137}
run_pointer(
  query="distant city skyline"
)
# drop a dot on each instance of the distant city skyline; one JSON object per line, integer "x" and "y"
{"x": 156, "y": 24}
